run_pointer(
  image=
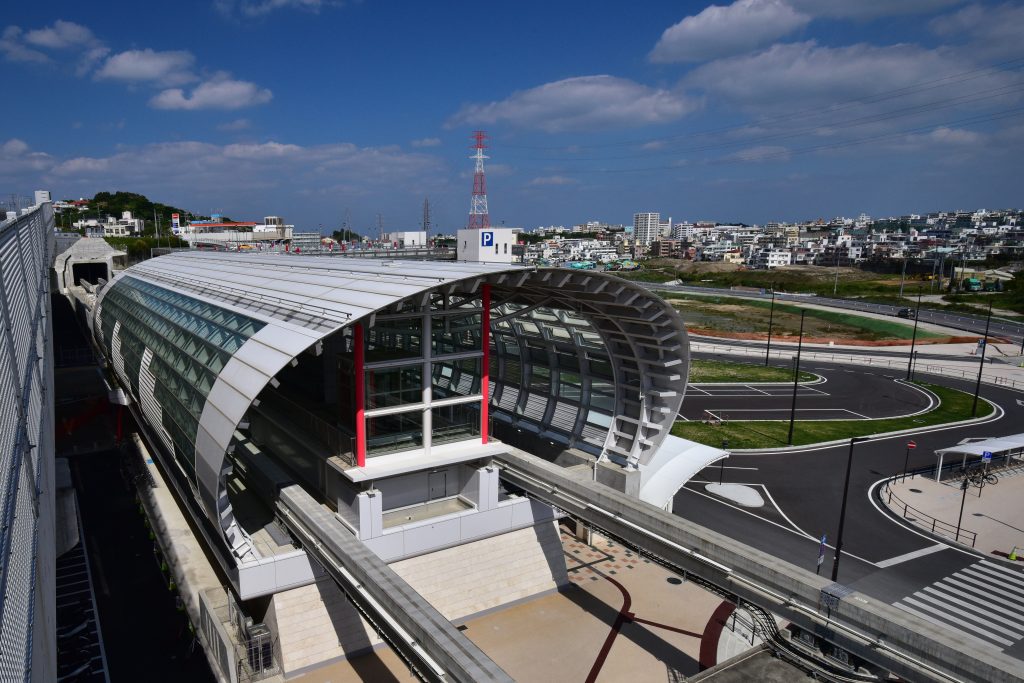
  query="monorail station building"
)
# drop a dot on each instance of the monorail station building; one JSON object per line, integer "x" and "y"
{"x": 386, "y": 389}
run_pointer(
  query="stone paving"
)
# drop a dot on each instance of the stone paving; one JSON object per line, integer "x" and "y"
{"x": 623, "y": 617}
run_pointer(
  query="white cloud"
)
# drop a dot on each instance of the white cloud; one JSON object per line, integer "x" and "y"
{"x": 258, "y": 8}
{"x": 14, "y": 50}
{"x": 797, "y": 76}
{"x": 426, "y": 142}
{"x": 241, "y": 173}
{"x": 992, "y": 31}
{"x": 581, "y": 103}
{"x": 869, "y": 9}
{"x": 237, "y": 124}
{"x": 553, "y": 180}
{"x": 265, "y": 150}
{"x": 62, "y": 35}
{"x": 220, "y": 92}
{"x": 721, "y": 31}
{"x": 172, "y": 67}
{"x": 17, "y": 160}
{"x": 761, "y": 153}
{"x": 14, "y": 147}
{"x": 954, "y": 136}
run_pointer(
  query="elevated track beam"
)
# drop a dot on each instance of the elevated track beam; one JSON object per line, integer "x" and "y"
{"x": 876, "y": 632}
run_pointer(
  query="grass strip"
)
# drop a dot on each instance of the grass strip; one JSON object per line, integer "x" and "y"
{"x": 711, "y": 371}
{"x": 881, "y": 328}
{"x": 954, "y": 406}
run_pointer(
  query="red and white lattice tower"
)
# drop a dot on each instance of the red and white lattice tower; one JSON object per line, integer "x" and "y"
{"x": 478, "y": 216}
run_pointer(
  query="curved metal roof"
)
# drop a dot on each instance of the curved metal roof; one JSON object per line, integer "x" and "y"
{"x": 304, "y": 299}
{"x": 316, "y": 293}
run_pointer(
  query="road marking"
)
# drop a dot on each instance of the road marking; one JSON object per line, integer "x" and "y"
{"x": 943, "y": 612}
{"x": 801, "y": 534}
{"x": 933, "y": 620}
{"x": 983, "y": 609}
{"x": 980, "y": 593}
{"x": 986, "y": 585}
{"x": 1010, "y": 582}
{"x": 900, "y": 559}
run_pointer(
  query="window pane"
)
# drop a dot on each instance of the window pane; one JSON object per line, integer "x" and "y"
{"x": 456, "y": 378}
{"x": 456, "y": 333}
{"x": 456, "y": 423}
{"x": 393, "y": 433}
{"x": 391, "y": 339}
{"x": 394, "y": 386}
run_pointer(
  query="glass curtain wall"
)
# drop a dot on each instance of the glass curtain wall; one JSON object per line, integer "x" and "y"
{"x": 551, "y": 368}
{"x": 423, "y": 374}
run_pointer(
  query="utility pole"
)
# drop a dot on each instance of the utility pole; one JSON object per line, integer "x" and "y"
{"x": 426, "y": 221}
{"x": 771, "y": 318}
{"x": 796, "y": 377}
{"x": 913, "y": 337}
{"x": 981, "y": 366}
{"x": 842, "y": 508}
{"x": 903, "y": 276}
{"x": 380, "y": 229}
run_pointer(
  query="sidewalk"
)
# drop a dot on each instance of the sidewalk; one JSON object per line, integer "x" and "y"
{"x": 993, "y": 516}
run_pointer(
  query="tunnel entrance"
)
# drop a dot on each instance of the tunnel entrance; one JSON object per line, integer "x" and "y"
{"x": 90, "y": 272}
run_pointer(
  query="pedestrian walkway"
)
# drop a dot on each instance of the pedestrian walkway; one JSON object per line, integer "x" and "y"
{"x": 983, "y": 601}
{"x": 993, "y": 516}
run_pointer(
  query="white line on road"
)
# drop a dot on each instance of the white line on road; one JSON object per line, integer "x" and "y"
{"x": 900, "y": 559}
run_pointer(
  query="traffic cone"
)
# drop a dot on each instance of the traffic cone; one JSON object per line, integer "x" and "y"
{"x": 1013, "y": 554}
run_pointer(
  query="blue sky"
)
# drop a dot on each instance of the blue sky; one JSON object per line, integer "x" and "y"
{"x": 753, "y": 111}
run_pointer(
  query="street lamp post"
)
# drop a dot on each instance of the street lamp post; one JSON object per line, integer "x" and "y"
{"x": 913, "y": 337}
{"x": 771, "y": 318}
{"x": 964, "y": 485}
{"x": 842, "y": 509}
{"x": 796, "y": 377}
{"x": 981, "y": 366}
{"x": 721, "y": 463}
{"x": 903, "y": 276}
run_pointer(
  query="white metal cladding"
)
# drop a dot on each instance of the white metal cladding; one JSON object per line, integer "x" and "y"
{"x": 303, "y": 299}
{"x": 27, "y": 562}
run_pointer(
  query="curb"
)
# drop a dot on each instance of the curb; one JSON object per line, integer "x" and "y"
{"x": 998, "y": 413}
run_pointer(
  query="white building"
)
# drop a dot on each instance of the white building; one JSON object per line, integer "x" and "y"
{"x": 491, "y": 245}
{"x": 646, "y": 227}
{"x": 407, "y": 239}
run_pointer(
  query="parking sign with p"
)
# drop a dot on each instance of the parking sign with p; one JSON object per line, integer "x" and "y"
{"x": 486, "y": 238}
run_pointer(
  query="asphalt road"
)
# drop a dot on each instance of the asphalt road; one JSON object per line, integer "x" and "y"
{"x": 803, "y": 490}
{"x": 957, "y": 321}
{"x": 845, "y": 394}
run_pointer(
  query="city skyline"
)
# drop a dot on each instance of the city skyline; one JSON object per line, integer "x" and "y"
{"x": 755, "y": 111}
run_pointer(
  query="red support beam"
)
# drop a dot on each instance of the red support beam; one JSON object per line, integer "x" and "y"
{"x": 360, "y": 379}
{"x": 485, "y": 340}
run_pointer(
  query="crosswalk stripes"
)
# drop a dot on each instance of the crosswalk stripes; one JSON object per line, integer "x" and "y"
{"x": 984, "y": 601}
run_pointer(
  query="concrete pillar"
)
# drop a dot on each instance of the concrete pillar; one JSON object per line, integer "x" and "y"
{"x": 370, "y": 506}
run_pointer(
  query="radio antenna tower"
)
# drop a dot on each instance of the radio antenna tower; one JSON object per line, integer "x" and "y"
{"x": 426, "y": 219}
{"x": 478, "y": 216}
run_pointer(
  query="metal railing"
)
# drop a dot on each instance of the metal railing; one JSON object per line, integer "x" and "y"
{"x": 900, "y": 363}
{"x": 301, "y": 421}
{"x": 923, "y": 519}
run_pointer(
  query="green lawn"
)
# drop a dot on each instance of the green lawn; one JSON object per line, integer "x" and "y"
{"x": 728, "y": 371}
{"x": 874, "y": 328}
{"x": 954, "y": 406}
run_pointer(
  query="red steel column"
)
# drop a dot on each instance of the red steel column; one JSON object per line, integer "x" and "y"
{"x": 360, "y": 378}
{"x": 485, "y": 339}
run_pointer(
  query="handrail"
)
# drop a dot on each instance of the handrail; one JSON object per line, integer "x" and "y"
{"x": 937, "y": 526}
